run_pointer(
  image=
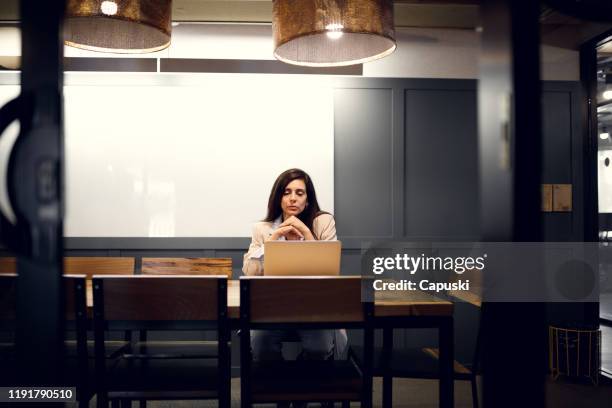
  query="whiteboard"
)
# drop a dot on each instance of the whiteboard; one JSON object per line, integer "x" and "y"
{"x": 194, "y": 160}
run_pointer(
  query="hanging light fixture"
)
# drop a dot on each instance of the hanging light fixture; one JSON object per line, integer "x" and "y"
{"x": 324, "y": 33}
{"x": 121, "y": 26}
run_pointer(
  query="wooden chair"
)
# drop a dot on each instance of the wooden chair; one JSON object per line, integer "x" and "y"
{"x": 187, "y": 266}
{"x": 161, "y": 303}
{"x": 86, "y": 266}
{"x": 304, "y": 303}
{"x": 77, "y": 369}
{"x": 100, "y": 265}
{"x": 424, "y": 362}
{"x": 182, "y": 266}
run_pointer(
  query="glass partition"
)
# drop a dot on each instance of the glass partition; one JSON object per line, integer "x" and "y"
{"x": 604, "y": 154}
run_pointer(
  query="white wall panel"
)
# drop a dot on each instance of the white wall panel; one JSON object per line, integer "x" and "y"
{"x": 190, "y": 161}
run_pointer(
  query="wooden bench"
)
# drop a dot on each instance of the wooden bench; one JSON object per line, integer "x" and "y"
{"x": 98, "y": 265}
{"x": 83, "y": 265}
{"x": 187, "y": 266}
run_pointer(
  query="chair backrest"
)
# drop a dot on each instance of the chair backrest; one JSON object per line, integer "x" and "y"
{"x": 74, "y": 291}
{"x": 321, "y": 299}
{"x": 187, "y": 266}
{"x": 75, "y": 310}
{"x": 159, "y": 298}
{"x": 98, "y": 265}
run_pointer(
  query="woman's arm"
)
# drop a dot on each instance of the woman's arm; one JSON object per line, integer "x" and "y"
{"x": 251, "y": 263}
{"x": 324, "y": 228}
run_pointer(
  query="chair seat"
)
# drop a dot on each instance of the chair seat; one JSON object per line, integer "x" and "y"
{"x": 173, "y": 349}
{"x": 163, "y": 378}
{"x": 112, "y": 348}
{"x": 305, "y": 381}
{"x": 414, "y": 363}
{"x": 457, "y": 366}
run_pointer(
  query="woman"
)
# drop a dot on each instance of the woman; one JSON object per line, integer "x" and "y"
{"x": 293, "y": 214}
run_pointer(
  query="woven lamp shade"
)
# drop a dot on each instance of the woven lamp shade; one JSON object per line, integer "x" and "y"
{"x": 324, "y": 33}
{"x": 120, "y": 26}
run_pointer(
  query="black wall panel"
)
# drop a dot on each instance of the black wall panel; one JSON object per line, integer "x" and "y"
{"x": 363, "y": 141}
{"x": 441, "y": 179}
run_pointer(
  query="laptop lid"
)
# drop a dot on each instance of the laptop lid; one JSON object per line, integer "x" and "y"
{"x": 302, "y": 258}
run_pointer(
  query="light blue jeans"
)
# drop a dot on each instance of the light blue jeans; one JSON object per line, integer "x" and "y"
{"x": 266, "y": 345}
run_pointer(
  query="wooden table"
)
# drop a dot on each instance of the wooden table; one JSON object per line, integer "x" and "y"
{"x": 386, "y": 305}
{"x": 391, "y": 311}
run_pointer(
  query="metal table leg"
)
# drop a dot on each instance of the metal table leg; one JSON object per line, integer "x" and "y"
{"x": 447, "y": 388}
{"x": 387, "y": 351}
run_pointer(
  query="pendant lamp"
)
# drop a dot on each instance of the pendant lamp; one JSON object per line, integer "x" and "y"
{"x": 323, "y": 33}
{"x": 120, "y": 26}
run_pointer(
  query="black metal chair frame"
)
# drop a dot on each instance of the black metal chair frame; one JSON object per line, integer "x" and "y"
{"x": 84, "y": 388}
{"x": 445, "y": 334}
{"x": 221, "y": 326}
{"x": 8, "y": 327}
{"x": 246, "y": 326}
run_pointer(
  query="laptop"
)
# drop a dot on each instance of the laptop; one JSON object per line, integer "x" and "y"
{"x": 302, "y": 258}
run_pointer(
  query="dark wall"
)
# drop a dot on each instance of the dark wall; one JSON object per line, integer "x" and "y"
{"x": 406, "y": 156}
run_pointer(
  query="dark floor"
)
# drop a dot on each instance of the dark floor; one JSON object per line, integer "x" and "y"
{"x": 407, "y": 393}
{"x": 562, "y": 394}
{"x": 424, "y": 394}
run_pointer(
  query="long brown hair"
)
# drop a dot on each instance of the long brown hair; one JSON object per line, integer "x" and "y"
{"x": 311, "y": 211}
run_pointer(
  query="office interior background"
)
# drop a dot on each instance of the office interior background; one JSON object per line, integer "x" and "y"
{"x": 173, "y": 153}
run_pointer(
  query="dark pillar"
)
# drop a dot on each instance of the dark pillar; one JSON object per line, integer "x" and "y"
{"x": 35, "y": 184}
{"x": 513, "y": 334}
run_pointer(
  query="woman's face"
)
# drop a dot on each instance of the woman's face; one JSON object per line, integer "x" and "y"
{"x": 294, "y": 198}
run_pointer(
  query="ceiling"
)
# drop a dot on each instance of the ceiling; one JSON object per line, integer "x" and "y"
{"x": 408, "y": 13}
{"x": 454, "y": 14}
{"x": 557, "y": 29}
{"x": 606, "y": 48}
